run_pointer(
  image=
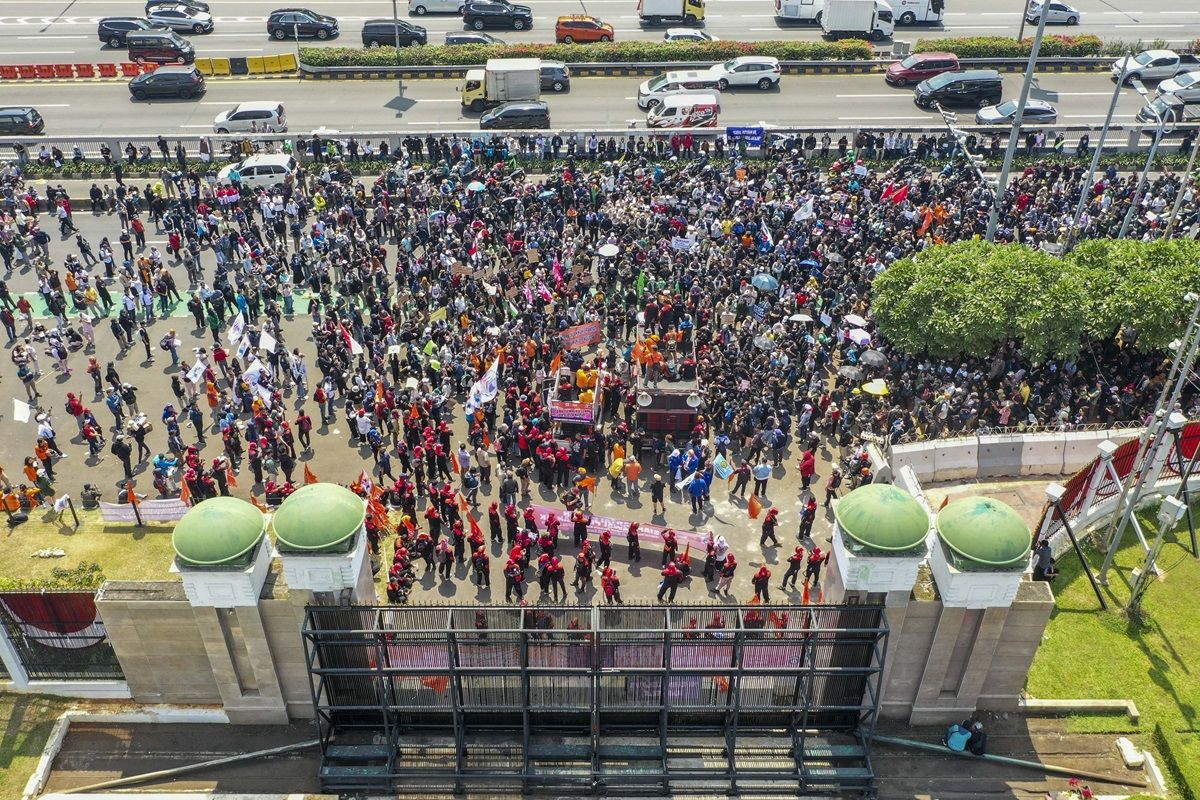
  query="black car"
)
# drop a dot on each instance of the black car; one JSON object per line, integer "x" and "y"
{"x": 18, "y": 120}
{"x": 480, "y": 14}
{"x": 184, "y": 82}
{"x": 519, "y": 114}
{"x": 300, "y": 23}
{"x": 194, "y": 5}
{"x": 974, "y": 87}
{"x": 113, "y": 30}
{"x": 472, "y": 37}
{"x": 378, "y": 32}
{"x": 556, "y": 76}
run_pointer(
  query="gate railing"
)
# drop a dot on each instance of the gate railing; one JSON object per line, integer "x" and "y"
{"x": 58, "y": 635}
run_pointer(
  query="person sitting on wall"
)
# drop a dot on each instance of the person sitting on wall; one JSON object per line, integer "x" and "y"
{"x": 1043, "y": 565}
{"x": 956, "y": 738}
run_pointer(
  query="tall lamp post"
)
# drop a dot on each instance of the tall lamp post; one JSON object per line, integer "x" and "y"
{"x": 1083, "y": 187}
{"x": 396, "y": 30}
{"x": 1187, "y": 173}
{"x": 1015, "y": 133}
{"x": 1162, "y": 122}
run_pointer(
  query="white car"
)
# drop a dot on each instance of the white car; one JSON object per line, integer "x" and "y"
{"x": 182, "y": 18}
{"x": 1186, "y": 87}
{"x": 760, "y": 71}
{"x": 688, "y": 35}
{"x": 257, "y": 116}
{"x": 1059, "y": 13}
{"x": 261, "y": 172}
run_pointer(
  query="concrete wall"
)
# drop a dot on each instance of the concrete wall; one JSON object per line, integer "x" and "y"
{"x": 282, "y": 620}
{"x": 1003, "y": 455}
{"x": 1018, "y": 644}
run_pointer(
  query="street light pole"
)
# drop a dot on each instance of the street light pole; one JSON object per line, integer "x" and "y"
{"x": 396, "y": 30}
{"x": 1014, "y": 134}
{"x": 1083, "y": 187}
{"x": 1160, "y": 124}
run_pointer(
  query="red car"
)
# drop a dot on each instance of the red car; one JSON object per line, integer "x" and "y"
{"x": 919, "y": 67}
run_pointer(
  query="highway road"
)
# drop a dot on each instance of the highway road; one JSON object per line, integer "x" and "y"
{"x": 811, "y": 100}
{"x": 46, "y": 31}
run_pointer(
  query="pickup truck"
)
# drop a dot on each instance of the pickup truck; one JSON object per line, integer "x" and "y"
{"x": 1154, "y": 65}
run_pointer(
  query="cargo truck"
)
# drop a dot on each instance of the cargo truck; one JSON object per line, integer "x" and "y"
{"x": 502, "y": 80}
{"x": 857, "y": 18}
{"x": 657, "y": 12}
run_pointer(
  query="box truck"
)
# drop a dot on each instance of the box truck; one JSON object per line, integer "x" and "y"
{"x": 657, "y": 12}
{"x": 869, "y": 18}
{"x": 501, "y": 80}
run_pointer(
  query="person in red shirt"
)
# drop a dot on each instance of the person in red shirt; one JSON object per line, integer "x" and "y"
{"x": 762, "y": 584}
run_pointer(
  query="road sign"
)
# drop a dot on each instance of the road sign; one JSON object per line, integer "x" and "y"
{"x": 752, "y": 136}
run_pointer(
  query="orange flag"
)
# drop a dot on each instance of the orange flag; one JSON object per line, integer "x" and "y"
{"x": 589, "y": 482}
{"x": 258, "y": 504}
{"x": 753, "y": 601}
{"x": 945, "y": 501}
{"x": 438, "y": 683}
{"x": 487, "y": 440}
{"x": 754, "y": 507}
{"x": 555, "y": 364}
{"x": 804, "y": 595}
{"x": 309, "y": 476}
{"x": 185, "y": 494}
{"x": 687, "y": 554}
{"x": 474, "y": 525}
{"x": 412, "y": 411}
{"x": 133, "y": 498}
{"x": 463, "y": 505}
{"x": 722, "y": 682}
{"x": 454, "y": 463}
{"x": 230, "y": 478}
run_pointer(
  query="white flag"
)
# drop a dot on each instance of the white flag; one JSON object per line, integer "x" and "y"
{"x": 484, "y": 389}
{"x": 267, "y": 343}
{"x": 60, "y": 505}
{"x": 252, "y": 373}
{"x": 21, "y": 411}
{"x": 239, "y": 325}
{"x": 243, "y": 348}
{"x": 196, "y": 373}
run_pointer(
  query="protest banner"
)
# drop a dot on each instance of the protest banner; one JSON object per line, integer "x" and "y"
{"x": 570, "y": 411}
{"x": 581, "y": 335}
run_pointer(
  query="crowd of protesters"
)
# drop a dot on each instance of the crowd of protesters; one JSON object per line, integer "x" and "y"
{"x": 454, "y": 269}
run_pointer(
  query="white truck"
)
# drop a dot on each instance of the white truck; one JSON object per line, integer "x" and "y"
{"x": 1154, "y": 65}
{"x": 658, "y": 12}
{"x": 869, "y": 18}
{"x": 502, "y": 80}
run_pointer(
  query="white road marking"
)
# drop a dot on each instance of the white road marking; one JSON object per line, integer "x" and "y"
{"x": 54, "y": 37}
{"x": 885, "y": 118}
{"x": 893, "y": 94}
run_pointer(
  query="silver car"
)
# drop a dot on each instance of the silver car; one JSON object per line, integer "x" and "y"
{"x": 1186, "y": 87}
{"x": 1059, "y": 13}
{"x": 1037, "y": 112}
{"x": 181, "y": 18}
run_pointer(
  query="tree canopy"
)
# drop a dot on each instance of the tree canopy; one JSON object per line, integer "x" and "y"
{"x": 966, "y": 297}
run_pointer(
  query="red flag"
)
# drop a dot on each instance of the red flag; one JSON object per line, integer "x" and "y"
{"x": 722, "y": 682}
{"x": 487, "y": 440}
{"x": 898, "y": 196}
{"x": 309, "y": 476}
{"x": 412, "y": 411}
{"x": 753, "y": 601}
{"x": 804, "y": 594}
{"x": 474, "y": 525}
{"x": 230, "y": 478}
{"x": 945, "y": 501}
{"x": 754, "y": 507}
{"x": 355, "y": 347}
{"x": 687, "y": 554}
{"x": 258, "y": 504}
{"x": 437, "y": 683}
{"x": 185, "y": 494}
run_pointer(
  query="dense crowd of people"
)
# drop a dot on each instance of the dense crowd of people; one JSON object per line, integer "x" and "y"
{"x": 440, "y": 293}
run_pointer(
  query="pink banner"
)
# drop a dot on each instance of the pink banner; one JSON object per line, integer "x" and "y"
{"x": 647, "y": 532}
{"x": 570, "y": 411}
{"x": 581, "y": 335}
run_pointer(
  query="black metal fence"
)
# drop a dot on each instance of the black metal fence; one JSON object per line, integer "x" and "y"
{"x": 58, "y": 635}
{"x": 642, "y": 699}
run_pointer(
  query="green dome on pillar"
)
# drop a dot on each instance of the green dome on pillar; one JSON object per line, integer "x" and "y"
{"x": 319, "y": 518}
{"x": 984, "y": 533}
{"x": 882, "y": 517}
{"x": 219, "y": 532}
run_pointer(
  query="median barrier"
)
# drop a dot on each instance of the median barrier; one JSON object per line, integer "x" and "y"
{"x": 130, "y": 70}
{"x": 26, "y": 71}
{"x": 220, "y": 66}
{"x": 8, "y": 73}
{"x": 85, "y": 70}
{"x": 271, "y": 64}
{"x": 64, "y": 71}
{"x": 238, "y": 66}
{"x": 148, "y": 67}
{"x": 288, "y": 62}
{"x": 254, "y": 65}
{"x": 44, "y": 70}
{"x": 955, "y": 459}
{"x": 107, "y": 70}
{"x": 1042, "y": 455}
{"x": 204, "y": 65}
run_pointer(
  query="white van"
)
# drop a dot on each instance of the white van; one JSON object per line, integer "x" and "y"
{"x": 422, "y": 7}
{"x": 261, "y": 172}
{"x": 257, "y": 116}
{"x": 651, "y": 92}
{"x": 685, "y": 111}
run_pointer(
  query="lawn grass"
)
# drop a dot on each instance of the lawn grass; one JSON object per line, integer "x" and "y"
{"x": 1155, "y": 661}
{"x": 26, "y": 720}
{"x": 124, "y": 552}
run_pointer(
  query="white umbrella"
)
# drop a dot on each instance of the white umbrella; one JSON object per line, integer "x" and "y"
{"x": 860, "y": 337}
{"x": 608, "y": 250}
{"x": 799, "y": 318}
{"x": 855, "y": 319}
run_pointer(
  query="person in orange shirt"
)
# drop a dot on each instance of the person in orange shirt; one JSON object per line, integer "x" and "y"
{"x": 633, "y": 471}
{"x": 618, "y": 451}
{"x": 44, "y": 454}
{"x": 30, "y": 469}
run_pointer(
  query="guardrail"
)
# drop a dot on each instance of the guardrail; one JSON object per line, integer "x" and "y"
{"x": 1135, "y": 137}
{"x": 630, "y": 69}
{"x": 249, "y": 65}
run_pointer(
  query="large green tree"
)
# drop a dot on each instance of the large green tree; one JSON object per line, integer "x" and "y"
{"x": 967, "y": 297}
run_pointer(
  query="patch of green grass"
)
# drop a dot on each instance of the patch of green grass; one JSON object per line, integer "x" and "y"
{"x": 124, "y": 552}
{"x": 1153, "y": 660}
{"x": 26, "y": 720}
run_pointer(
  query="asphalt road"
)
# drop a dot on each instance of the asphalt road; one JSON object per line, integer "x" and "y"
{"x": 841, "y": 101}
{"x": 33, "y": 31}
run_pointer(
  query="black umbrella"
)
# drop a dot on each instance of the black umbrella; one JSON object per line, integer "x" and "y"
{"x": 854, "y": 373}
{"x": 874, "y": 358}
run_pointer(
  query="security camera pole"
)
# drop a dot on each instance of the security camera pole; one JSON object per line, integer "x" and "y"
{"x": 1015, "y": 133}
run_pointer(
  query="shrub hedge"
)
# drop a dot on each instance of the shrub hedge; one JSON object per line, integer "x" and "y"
{"x": 610, "y": 53}
{"x": 1056, "y": 46}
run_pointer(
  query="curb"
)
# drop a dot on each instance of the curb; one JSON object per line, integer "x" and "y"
{"x": 629, "y": 70}
{"x": 1038, "y": 706}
